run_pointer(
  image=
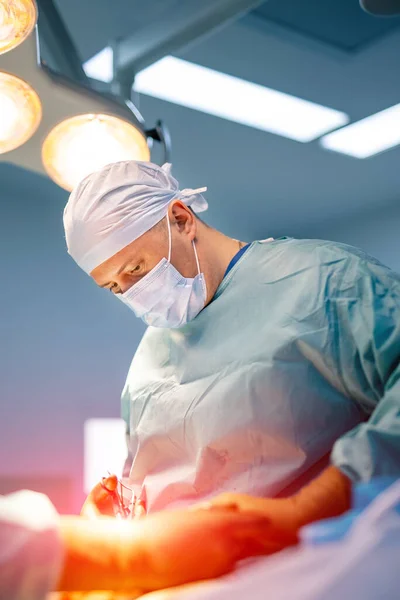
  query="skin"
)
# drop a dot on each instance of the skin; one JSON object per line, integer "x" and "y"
{"x": 166, "y": 549}
{"x": 175, "y": 548}
{"x": 132, "y": 263}
{"x": 327, "y": 496}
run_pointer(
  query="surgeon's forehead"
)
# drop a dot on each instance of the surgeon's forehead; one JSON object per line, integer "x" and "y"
{"x": 147, "y": 247}
{"x": 150, "y": 245}
{"x": 116, "y": 262}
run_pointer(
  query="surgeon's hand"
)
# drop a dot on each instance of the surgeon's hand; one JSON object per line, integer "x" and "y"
{"x": 100, "y": 500}
{"x": 282, "y": 514}
{"x": 327, "y": 496}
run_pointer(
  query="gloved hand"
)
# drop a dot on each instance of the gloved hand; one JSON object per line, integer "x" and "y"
{"x": 326, "y": 496}
{"x": 282, "y": 513}
{"x": 100, "y": 501}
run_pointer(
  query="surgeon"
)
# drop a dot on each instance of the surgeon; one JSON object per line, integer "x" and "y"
{"x": 268, "y": 379}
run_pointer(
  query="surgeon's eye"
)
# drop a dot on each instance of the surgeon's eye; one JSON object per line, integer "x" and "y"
{"x": 114, "y": 288}
{"x": 134, "y": 270}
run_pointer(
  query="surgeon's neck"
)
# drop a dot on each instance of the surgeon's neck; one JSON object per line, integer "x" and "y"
{"x": 216, "y": 251}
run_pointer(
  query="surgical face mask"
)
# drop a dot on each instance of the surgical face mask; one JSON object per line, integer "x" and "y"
{"x": 164, "y": 298}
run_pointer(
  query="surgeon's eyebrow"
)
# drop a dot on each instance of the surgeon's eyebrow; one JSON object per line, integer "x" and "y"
{"x": 131, "y": 260}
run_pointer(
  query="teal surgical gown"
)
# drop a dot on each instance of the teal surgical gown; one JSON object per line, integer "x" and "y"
{"x": 293, "y": 363}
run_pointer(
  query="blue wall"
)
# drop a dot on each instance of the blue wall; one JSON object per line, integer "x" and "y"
{"x": 65, "y": 345}
{"x": 375, "y": 231}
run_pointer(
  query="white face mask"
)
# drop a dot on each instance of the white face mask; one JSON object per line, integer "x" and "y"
{"x": 164, "y": 298}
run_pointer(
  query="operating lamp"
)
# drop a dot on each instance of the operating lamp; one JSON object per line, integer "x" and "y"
{"x": 51, "y": 124}
{"x": 17, "y": 19}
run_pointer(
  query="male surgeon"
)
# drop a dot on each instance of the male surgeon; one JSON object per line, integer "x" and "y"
{"x": 268, "y": 379}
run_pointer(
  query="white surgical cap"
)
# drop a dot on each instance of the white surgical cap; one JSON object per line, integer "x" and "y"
{"x": 113, "y": 207}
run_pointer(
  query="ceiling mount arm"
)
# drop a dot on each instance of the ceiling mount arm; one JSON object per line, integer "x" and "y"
{"x": 160, "y": 133}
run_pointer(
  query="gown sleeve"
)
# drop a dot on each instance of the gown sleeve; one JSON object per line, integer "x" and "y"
{"x": 366, "y": 328}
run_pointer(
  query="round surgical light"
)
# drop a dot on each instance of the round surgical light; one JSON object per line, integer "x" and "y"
{"x": 83, "y": 144}
{"x": 17, "y": 19}
{"x": 20, "y": 112}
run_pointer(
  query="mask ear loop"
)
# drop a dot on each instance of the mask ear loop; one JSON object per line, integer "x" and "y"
{"x": 197, "y": 258}
{"x": 169, "y": 240}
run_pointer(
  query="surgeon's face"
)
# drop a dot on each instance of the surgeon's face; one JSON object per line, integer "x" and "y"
{"x": 127, "y": 267}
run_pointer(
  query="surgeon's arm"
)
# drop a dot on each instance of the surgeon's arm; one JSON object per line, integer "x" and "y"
{"x": 366, "y": 327}
{"x": 371, "y": 374}
{"x": 328, "y": 495}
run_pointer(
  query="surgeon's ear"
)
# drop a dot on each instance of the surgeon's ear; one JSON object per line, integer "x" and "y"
{"x": 183, "y": 217}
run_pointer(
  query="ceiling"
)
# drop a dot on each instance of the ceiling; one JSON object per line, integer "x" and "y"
{"x": 260, "y": 184}
{"x": 339, "y": 23}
